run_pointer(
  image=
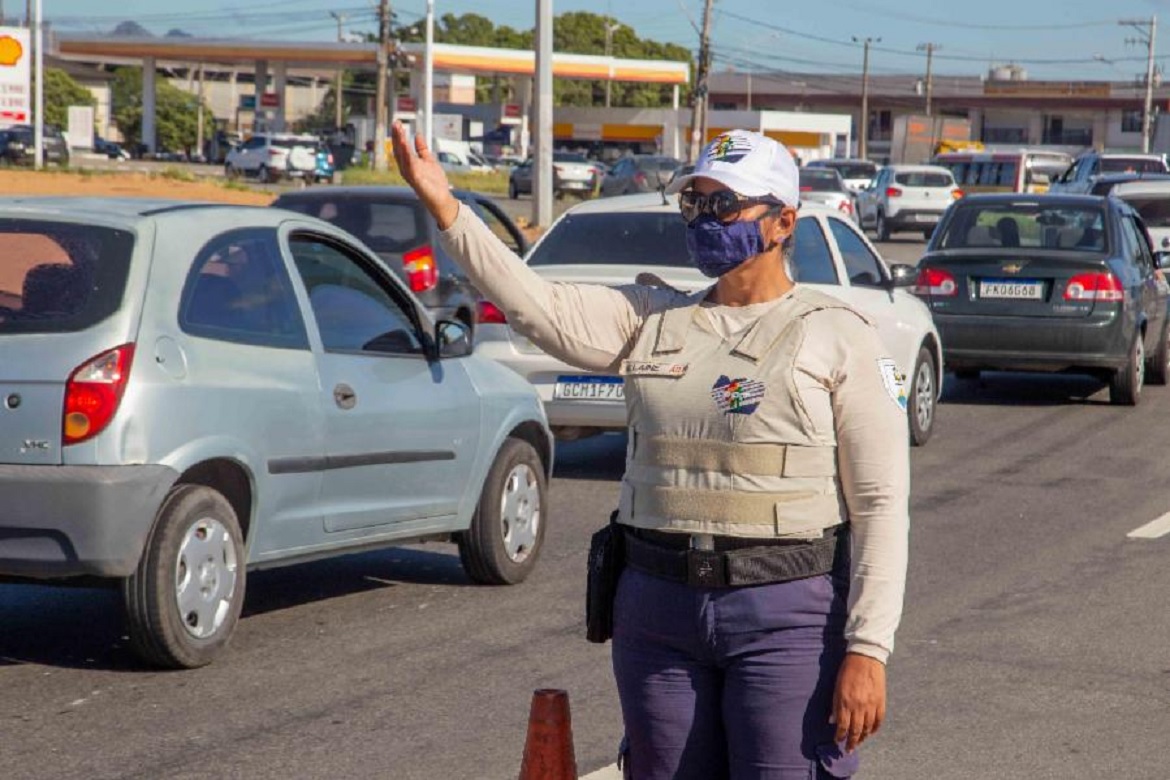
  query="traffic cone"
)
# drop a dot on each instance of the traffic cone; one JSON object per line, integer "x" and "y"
{"x": 548, "y": 750}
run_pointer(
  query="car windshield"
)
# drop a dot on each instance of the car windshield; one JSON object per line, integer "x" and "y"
{"x": 291, "y": 143}
{"x": 857, "y": 170}
{"x": 615, "y": 238}
{"x": 1155, "y": 209}
{"x": 924, "y": 179}
{"x": 569, "y": 157}
{"x": 59, "y": 277}
{"x": 658, "y": 164}
{"x": 1025, "y": 224}
{"x": 1131, "y": 165}
{"x": 387, "y": 226}
{"x": 813, "y": 180}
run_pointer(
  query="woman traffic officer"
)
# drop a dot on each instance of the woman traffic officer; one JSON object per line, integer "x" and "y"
{"x": 765, "y": 497}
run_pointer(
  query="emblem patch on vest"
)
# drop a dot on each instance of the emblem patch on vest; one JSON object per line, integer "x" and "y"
{"x": 738, "y": 396}
{"x": 895, "y": 382}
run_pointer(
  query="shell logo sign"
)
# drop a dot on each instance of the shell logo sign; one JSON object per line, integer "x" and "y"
{"x": 10, "y": 51}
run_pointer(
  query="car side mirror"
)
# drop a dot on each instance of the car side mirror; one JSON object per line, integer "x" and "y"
{"x": 453, "y": 339}
{"x": 1162, "y": 260}
{"x": 902, "y": 275}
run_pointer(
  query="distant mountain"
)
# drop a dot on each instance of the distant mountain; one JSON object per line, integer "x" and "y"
{"x": 130, "y": 29}
{"x": 177, "y": 33}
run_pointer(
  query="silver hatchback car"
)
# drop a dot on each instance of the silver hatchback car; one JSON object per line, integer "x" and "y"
{"x": 190, "y": 391}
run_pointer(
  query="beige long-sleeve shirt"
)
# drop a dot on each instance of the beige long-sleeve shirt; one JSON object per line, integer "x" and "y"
{"x": 844, "y": 378}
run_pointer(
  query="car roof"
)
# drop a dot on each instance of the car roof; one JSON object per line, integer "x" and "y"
{"x": 1057, "y": 198}
{"x": 365, "y": 191}
{"x": 909, "y": 168}
{"x": 126, "y": 210}
{"x": 1142, "y": 187}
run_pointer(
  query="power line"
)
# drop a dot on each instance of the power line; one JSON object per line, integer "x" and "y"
{"x": 965, "y": 24}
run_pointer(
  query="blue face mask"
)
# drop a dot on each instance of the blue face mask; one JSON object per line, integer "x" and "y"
{"x": 716, "y": 248}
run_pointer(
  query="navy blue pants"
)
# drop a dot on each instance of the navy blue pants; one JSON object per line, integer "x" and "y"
{"x": 730, "y": 683}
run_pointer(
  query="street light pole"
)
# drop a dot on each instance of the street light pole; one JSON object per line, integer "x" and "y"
{"x": 429, "y": 78}
{"x": 1148, "y": 37}
{"x": 338, "y": 108}
{"x": 610, "y": 29}
{"x": 863, "y": 135}
{"x": 39, "y": 110}
{"x": 380, "y": 111}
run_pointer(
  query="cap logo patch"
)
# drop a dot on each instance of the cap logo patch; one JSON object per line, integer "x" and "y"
{"x": 738, "y": 396}
{"x": 728, "y": 148}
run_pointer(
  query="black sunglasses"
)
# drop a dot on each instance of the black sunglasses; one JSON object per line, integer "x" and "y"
{"x": 724, "y": 205}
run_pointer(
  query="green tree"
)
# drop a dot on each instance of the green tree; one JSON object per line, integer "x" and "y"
{"x": 176, "y": 112}
{"x": 61, "y": 92}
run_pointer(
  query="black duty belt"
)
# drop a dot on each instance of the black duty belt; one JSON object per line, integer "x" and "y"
{"x": 734, "y": 561}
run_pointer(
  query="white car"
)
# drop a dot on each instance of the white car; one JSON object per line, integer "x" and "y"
{"x": 611, "y": 241}
{"x": 271, "y": 157}
{"x": 906, "y": 197}
{"x": 857, "y": 173}
{"x": 1151, "y": 199}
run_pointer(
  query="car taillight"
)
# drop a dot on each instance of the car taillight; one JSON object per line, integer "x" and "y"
{"x": 421, "y": 272}
{"x": 845, "y": 207}
{"x": 935, "y": 282}
{"x": 330, "y": 159}
{"x": 93, "y": 393}
{"x": 893, "y": 192}
{"x": 806, "y": 188}
{"x": 487, "y": 313}
{"x": 640, "y": 177}
{"x": 275, "y": 152}
{"x": 1094, "y": 287}
{"x": 956, "y": 194}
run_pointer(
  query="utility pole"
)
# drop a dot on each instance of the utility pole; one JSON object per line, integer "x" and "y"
{"x": 338, "y": 112}
{"x": 1148, "y": 30}
{"x": 610, "y": 29}
{"x": 930, "y": 49}
{"x": 380, "y": 110}
{"x": 699, "y": 103}
{"x": 863, "y": 135}
{"x": 199, "y": 116}
{"x": 542, "y": 180}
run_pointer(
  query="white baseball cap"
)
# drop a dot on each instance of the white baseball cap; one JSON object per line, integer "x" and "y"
{"x": 750, "y": 163}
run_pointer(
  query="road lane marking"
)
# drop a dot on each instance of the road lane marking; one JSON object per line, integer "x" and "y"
{"x": 1152, "y": 529}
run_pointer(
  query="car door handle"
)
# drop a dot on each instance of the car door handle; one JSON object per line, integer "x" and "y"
{"x": 344, "y": 396}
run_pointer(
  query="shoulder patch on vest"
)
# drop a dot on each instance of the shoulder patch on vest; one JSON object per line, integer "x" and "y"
{"x": 894, "y": 381}
{"x": 738, "y": 396}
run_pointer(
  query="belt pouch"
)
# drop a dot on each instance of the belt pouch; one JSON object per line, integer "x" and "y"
{"x": 607, "y": 558}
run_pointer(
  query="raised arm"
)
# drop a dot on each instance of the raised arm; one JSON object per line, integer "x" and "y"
{"x": 589, "y": 326}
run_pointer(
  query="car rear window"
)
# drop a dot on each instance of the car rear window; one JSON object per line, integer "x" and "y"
{"x": 1131, "y": 165}
{"x": 647, "y": 238}
{"x": 387, "y": 226}
{"x": 924, "y": 179}
{"x": 854, "y": 170}
{"x": 819, "y": 181}
{"x": 1030, "y": 225}
{"x": 1155, "y": 210}
{"x": 569, "y": 157}
{"x": 59, "y": 277}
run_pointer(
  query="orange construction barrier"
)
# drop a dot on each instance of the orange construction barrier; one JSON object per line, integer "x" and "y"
{"x": 548, "y": 750}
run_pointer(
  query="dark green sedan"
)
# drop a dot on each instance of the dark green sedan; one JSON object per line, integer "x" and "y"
{"x": 1049, "y": 283}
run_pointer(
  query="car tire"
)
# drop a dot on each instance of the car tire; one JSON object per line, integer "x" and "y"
{"x": 184, "y": 600}
{"x": 1158, "y": 367}
{"x": 1125, "y": 385}
{"x": 882, "y": 228}
{"x": 263, "y": 174}
{"x": 508, "y": 528}
{"x": 513, "y": 194}
{"x": 923, "y": 397}
{"x": 230, "y": 173}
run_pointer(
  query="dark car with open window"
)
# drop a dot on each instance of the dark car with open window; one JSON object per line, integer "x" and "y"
{"x": 394, "y": 224}
{"x": 1049, "y": 283}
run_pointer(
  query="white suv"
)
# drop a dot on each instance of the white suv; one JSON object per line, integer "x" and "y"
{"x": 273, "y": 156}
{"x": 906, "y": 197}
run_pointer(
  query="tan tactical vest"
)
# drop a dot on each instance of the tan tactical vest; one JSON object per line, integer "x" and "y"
{"x": 720, "y": 441}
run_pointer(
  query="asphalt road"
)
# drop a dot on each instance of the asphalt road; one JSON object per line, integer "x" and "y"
{"x": 1033, "y": 645}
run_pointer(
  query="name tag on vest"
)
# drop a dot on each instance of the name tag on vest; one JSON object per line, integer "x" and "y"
{"x": 653, "y": 368}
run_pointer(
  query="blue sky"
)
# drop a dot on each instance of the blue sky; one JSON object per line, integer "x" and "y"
{"x": 748, "y": 34}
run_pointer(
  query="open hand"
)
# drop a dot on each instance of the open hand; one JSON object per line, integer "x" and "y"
{"x": 859, "y": 702}
{"x": 422, "y": 172}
